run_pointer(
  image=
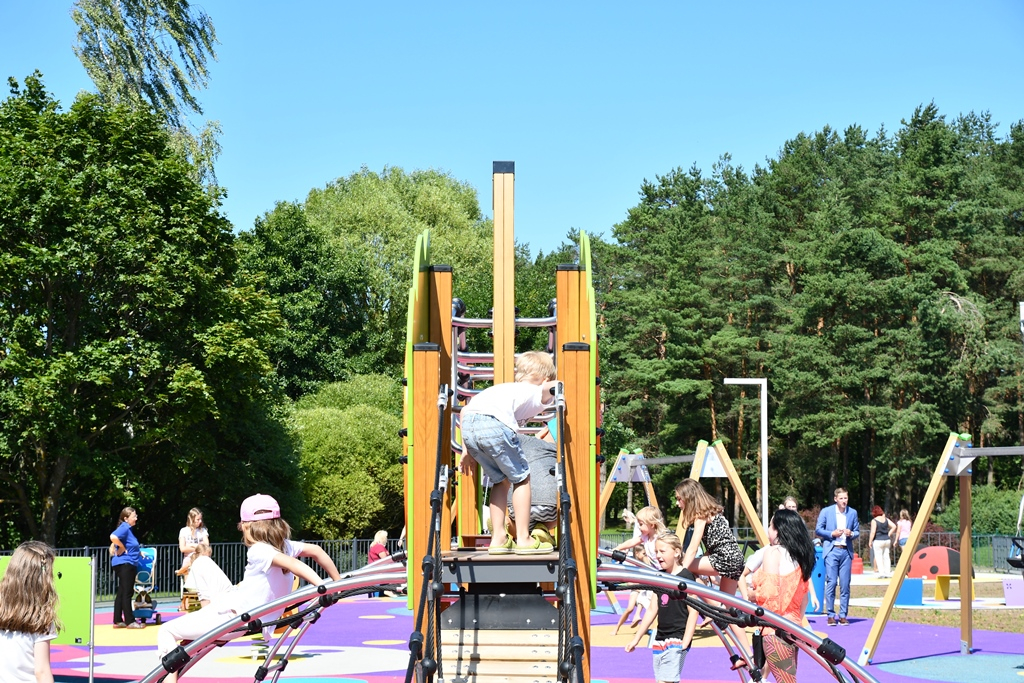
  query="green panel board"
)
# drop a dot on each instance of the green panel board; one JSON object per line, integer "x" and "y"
{"x": 73, "y": 576}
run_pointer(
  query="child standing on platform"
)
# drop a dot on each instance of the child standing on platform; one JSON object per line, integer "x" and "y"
{"x": 676, "y": 621}
{"x": 28, "y": 615}
{"x": 489, "y": 434}
{"x": 271, "y": 563}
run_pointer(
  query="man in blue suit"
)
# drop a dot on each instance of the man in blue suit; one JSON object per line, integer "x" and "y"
{"x": 837, "y": 527}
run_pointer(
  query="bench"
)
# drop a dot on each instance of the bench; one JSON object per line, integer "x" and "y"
{"x": 942, "y": 586}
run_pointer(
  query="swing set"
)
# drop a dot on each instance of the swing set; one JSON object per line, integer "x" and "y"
{"x": 955, "y": 461}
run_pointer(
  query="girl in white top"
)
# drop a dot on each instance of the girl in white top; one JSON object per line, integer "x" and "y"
{"x": 191, "y": 535}
{"x": 268, "y": 575}
{"x": 28, "y": 615}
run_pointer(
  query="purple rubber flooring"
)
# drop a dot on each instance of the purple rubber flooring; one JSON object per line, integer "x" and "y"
{"x": 363, "y": 640}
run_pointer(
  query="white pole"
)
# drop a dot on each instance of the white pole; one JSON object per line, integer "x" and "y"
{"x": 764, "y": 452}
{"x": 762, "y": 384}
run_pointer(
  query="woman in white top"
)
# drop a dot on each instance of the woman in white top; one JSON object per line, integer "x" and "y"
{"x": 268, "y": 576}
{"x": 191, "y": 535}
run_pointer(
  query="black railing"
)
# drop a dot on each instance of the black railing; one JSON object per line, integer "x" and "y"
{"x": 571, "y": 648}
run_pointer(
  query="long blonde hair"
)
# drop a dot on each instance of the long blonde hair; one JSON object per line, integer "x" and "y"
{"x": 697, "y": 503}
{"x": 28, "y": 596}
{"x": 651, "y": 516}
{"x": 273, "y": 532}
{"x": 194, "y": 514}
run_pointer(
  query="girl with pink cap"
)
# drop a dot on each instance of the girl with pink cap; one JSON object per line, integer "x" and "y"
{"x": 270, "y": 569}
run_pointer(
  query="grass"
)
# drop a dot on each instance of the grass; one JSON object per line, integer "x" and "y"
{"x": 1007, "y": 620}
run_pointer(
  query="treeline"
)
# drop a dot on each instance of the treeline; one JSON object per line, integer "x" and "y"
{"x": 873, "y": 280}
{"x": 151, "y": 356}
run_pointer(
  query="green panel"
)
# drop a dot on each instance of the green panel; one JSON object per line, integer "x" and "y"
{"x": 73, "y": 576}
{"x": 416, "y": 319}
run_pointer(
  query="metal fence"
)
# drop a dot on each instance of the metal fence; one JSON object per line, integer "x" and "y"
{"x": 347, "y": 555}
{"x": 988, "y": 551}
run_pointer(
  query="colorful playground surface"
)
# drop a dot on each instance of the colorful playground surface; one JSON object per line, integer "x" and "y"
{"x": 364, "y": 640}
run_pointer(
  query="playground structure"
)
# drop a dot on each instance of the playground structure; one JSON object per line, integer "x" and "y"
{"x": 708, "y": 461}
{"x": 470, "y": 607}
{"x": 955, "y": 461}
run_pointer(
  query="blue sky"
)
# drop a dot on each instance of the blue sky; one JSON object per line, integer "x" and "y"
{"x": 588, "y": 99}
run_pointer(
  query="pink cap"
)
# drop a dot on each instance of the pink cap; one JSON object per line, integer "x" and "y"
{"x": 259, "y": 507}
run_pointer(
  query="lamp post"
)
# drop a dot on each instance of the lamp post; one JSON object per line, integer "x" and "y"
{"x": 763, "y": 384}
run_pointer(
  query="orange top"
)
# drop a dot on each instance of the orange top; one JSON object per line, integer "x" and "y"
{"x": 783, "y": 594}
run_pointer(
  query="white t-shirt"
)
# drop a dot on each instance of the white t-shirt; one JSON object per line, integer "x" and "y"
{"x": 189, "y": 536}
{"x": 786, "y": 562}
{"x": 840, "y": 524}
{"x": 17, "y": 655}
{"x": 510, "y": 403}
{"x": 262, "y": 582}
{"x": 207, "y": 578}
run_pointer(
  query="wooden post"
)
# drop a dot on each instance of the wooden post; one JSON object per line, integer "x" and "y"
{"x": 441, "y": 334}
{"x": 931, "y": 496}
{"x": 579, "y": 471}
{"x": 422, "y": 456}
{"x": 966, "y": 564}
{"x": 504, "y": 314}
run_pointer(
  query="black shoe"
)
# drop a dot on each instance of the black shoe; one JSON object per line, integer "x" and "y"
{"x": 831, "y": 621}
{"x": 843, "y": 621}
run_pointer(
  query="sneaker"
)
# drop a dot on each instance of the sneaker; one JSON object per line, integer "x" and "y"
{"x": 535, "y": 548}
{"x": 541, "y": 533}
{"x": 136, "y": 624}
{"x": 843, "y": 621}
{"x": 831, "y": 621}
{"x": 120, "y": 624}
{"x": 502, "y": 548}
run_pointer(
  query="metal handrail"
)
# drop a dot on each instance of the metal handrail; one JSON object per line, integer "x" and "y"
{"x": 736, "y": 611}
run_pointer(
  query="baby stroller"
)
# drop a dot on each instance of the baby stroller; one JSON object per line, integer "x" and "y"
{"x": 143, "y": 603}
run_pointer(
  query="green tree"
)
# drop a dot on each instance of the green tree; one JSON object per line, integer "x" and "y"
{"x": 127, "y": 344}
{"x": 375, "y": 219}
{"x": 322, "y": 295}
{"x": 352, "y": 478}
{"x": 152, "y": 53}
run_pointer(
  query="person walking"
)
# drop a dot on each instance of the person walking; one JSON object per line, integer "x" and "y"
{"x": 880, "y": 539}
{"x": 837, "y": 527}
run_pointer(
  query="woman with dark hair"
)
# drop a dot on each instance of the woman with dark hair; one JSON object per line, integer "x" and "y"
{"x": 880, "y": 540}
{"x": 124, "y": 558}
{"x": 781, "y": 574}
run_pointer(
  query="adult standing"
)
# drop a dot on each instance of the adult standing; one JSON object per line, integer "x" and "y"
{"x": 191, "y": 535}
{"x": 882, "y": 530}
{"x": 837, "y": 527}
{"x": 125, "y": 556}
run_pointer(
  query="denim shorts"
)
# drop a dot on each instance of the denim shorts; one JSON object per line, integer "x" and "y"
{"x": 495, "y": 447}
{"x": 669, "y": 657}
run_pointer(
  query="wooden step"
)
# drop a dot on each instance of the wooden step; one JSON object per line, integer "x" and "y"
{"x": 502, "y": 652}
{"x": 499, "y": 637}
{"x": 499, "y": 656}
{"x": 475, "y": 672}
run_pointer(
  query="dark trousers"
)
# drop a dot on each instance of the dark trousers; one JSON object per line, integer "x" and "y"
{"x": 125, "y": 574}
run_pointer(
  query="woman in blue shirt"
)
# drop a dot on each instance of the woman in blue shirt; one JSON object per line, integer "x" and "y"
{"x": 124, "y": 551}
